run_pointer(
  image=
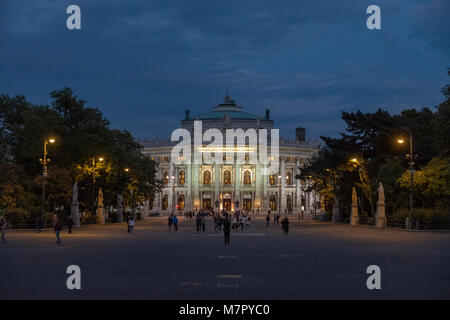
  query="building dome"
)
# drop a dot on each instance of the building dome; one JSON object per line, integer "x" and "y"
{"x": 228, "y": 107}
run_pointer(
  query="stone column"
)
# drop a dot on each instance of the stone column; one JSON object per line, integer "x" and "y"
{"x": 216, "y": 186}
{"x": 189, "y": 202}
{"x": 380, "y": 217}
{"x": 237, "y": 184}
{"x": 354, "y": 219}
{"x": 283, "y": 185}
{"x": 172, "y": 173}
{"x": 195, "y": 181}
{"x": 298, "y": 202}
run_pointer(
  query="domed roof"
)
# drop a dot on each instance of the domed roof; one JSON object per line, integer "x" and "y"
{"x": 228, "y": 107}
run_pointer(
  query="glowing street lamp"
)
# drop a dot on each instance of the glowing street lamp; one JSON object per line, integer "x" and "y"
{"x": 44, "y": 162}
{"x": 100, "y": 159}
{"x": 411, "y": 168}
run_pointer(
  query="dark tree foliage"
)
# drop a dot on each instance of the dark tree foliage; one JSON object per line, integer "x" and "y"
{"x": 81, "y": 134}
{"x": 372, "y": 139}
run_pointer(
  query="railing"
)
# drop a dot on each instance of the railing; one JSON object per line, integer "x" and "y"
{"x": 370, "y": 221}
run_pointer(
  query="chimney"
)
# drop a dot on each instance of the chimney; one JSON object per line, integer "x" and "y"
{"x": 300, "y": 134}
{"x": 267, "y": 114}
{"x": 186, "y": 114}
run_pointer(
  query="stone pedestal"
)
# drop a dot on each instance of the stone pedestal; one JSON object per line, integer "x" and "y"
{"x": 336, "y": 217}
{"x": 75, "y": 213}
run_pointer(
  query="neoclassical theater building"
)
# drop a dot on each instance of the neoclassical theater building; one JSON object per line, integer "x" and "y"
{"x": 231, "y": 185}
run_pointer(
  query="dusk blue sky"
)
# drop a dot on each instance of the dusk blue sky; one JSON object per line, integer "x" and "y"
{"x": 142, "y": 63}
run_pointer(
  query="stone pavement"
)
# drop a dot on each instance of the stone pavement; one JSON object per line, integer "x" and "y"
{"x": 315, "y": 261}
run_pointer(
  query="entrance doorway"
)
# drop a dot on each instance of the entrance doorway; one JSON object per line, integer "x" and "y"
{"x": 206, "y": 204}
{"x": 247, "y": 205}
{"x": 227, "y": 204}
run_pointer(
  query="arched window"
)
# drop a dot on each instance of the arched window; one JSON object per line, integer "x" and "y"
{"x": 288, "y": 178}
{"x": 181, "y": 202}
{"x": 226, "y": 177}
{"x": 207, "y": 177}
{"x": 272, "y": 180}
{"x": 247, "y": 177}
{"x": 165, "y": 202}
{"x": 166, "y": 178}
{"x": 181, "y": 177}
{"x": 273, "y": 202}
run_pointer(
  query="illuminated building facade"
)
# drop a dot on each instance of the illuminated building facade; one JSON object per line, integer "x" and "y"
{"x": 231, "y": 185}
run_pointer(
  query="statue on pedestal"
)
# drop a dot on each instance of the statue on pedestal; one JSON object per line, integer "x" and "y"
{"x": 380, "y": 217}
{"x": 74, "y": 208}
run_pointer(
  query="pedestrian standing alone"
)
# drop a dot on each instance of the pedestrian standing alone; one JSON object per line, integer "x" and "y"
{"x": 247, "y": 223}
{"x": 285, "y": 225}
{"x": 267, "y": 220}
{"x": 226, "y": 230}
{"x": 58, "y": 228}
{"x": 198, "y": 222}
{"x": 170, "y": 221}
{"x": 175, "y": 223}
{"x": 70, "y": 225}
{"x": 39, "y": 224}
{"x": 203, "y": 223}
{"x": 3, "y": 225}
{"x": 130, "y": 224}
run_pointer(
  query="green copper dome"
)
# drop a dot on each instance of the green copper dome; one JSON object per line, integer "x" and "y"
{"x": 228, "y": 107}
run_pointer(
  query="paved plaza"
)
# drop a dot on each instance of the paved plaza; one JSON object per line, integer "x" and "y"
{"x": 315, "y": 261}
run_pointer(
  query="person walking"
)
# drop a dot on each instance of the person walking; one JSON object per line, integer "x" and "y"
{"x": 170, "y": 221}
{"x": 198, "y": 222}
{"x": 130, "y": 224}
{"x": 58, "y": 228}
{"x": 39, "y": 224}
{"x": 175, "y": 223}
{"x": 267, "y": 220}
{"x": 226, "y": 230}
{"x": 285, "y": 225}
{"x": 203, "y": 223}
{"x": 3, "y": 226}
{"x": 247, "y": 223}
{"x": 70, "y": 225}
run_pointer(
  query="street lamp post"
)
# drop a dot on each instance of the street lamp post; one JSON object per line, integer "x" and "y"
{"x": 93, "y": 182}
{"x": 411, "y": 169}
{"x": 44, "y": 162}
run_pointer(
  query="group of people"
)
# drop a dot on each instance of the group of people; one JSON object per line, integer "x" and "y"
{"x": 222, "y": 221}
{"x": 276, "y": 218}
{"x": 173, "y": 221}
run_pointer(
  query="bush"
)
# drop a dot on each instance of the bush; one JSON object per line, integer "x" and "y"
{"x": 429, "y": 218}
{"x": 17, "y": 217}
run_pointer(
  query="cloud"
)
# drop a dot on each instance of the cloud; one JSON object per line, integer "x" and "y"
{"x": 143, "y": 61}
